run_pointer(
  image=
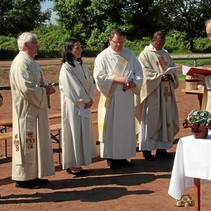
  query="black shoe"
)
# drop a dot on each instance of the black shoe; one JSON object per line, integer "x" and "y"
{"x": 125, "y": 162}
{"x": 148, "y": 155}
{"x": 81, "y": 172}
{"x": 162, "y": 153}
{"x": 29, "y": 184}
{"x": 113, "y": 164}
{"x": 41, "y": 181}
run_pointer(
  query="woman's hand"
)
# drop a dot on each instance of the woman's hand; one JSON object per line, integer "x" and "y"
{"x": 89, "y": 104}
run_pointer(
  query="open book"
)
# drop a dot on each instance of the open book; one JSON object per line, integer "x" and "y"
{"x": 199, "y": 70}
{"x": 170, "y": 70}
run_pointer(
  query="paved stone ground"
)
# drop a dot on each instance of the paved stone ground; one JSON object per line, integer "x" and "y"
{"x": 142, "y": 187}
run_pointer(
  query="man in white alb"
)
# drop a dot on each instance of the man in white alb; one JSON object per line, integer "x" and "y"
{"x": 32, "y": 155}
{"x": 118, "y": 77}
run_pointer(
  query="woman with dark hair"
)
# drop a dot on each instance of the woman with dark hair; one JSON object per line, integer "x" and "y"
{"x": 76, "y": 89}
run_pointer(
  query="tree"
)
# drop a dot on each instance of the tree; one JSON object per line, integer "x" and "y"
{"x": 186, "y": 16}
{"x": 92, "y": 20}
{"x": 21, "y": 15}
{"x": 74, "y": 16}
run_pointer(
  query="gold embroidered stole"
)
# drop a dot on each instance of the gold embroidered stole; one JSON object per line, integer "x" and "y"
{"x": 120, "y": 66}
{"x": 104, "y": 101}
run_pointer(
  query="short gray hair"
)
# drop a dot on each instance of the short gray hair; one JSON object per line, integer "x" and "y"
{"x": 25, "y": 37}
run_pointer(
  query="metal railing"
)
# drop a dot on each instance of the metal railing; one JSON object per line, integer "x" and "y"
{"x": 175, "y": 58}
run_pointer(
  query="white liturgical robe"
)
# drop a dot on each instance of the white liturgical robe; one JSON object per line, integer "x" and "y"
{"x": 32, "y": 155}
{"x": 76, "y": 89}
{"x": 116, "y": 112}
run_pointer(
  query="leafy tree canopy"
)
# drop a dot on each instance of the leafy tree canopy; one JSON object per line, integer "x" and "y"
{"x": 21, "y": 15}
{"x": 92, "y": 20}
{"x": 185, "y": 16}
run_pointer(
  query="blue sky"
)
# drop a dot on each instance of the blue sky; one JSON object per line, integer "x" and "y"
{"x": 48, "y": 5}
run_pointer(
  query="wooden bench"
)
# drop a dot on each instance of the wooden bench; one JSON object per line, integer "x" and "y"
{"x": 4, "y": 135}
{"x": 54, "y": 116}
{"x": 7, "y": 123}
{"x": 197, "y": 92}
{"x": 55, "y": 136}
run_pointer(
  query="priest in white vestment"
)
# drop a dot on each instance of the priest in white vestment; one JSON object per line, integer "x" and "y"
{"x": 32, "y": 155}
{"x": 118, "y": 77}
{"x": 159, "y": 116}
{"x": 76, "y": 89}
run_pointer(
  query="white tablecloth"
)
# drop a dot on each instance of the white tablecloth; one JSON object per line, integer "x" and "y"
{"x": 192, "y": 160}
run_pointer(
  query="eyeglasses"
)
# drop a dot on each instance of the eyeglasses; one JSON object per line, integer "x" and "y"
{"x": 117, "y": 43}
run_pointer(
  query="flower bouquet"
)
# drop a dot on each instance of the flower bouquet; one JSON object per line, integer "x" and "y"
{"x": 199, "y": 121}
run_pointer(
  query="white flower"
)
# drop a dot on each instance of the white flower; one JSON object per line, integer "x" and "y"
{"x": 200, "y": 117}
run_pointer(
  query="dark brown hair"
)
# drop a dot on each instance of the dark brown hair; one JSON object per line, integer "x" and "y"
{"x": 65, "y": 53}
{"x": 160, "y": 34}
{"x": 118, "y": 32}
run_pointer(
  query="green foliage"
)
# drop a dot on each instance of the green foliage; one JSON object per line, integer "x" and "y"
{"x": 51, "y": 39}
{"x": 8, "y": 43}
{"x": 8, "y": 47}
{"x": 181, "y": 77}
{"x": 75, "y": 17}
{"x": 186, "y": 16}
{"x": 202, "y": 45}
{"x": 18, "y": 16}
{"x": 136, "y": 46}
{"x": 98, "y": 39}
{"x": 92, "y": 20}
{"x": 175, "y": 41}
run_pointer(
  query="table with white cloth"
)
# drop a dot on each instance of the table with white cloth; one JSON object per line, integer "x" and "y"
{"x": 191, "y": 164}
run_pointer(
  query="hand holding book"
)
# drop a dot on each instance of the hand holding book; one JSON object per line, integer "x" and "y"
{"x": 170, "y": 70}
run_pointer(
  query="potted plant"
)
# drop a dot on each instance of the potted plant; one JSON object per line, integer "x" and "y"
{"x": 199, "y": 121}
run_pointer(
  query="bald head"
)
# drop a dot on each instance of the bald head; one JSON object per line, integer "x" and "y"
{"x": 208, "y": 28}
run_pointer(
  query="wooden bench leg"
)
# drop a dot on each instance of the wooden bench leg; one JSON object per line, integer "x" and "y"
{"x": 59, "y": 134}
{"x": 4, "y": 130}
{"x": 5, "y": 147}
{"x": 197, "y": 193}
{"x": 54, "y": 137}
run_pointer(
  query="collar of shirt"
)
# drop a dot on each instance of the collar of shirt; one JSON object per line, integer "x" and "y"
{"x": 114, "y": 52}
{"x": 151, "y": 46}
